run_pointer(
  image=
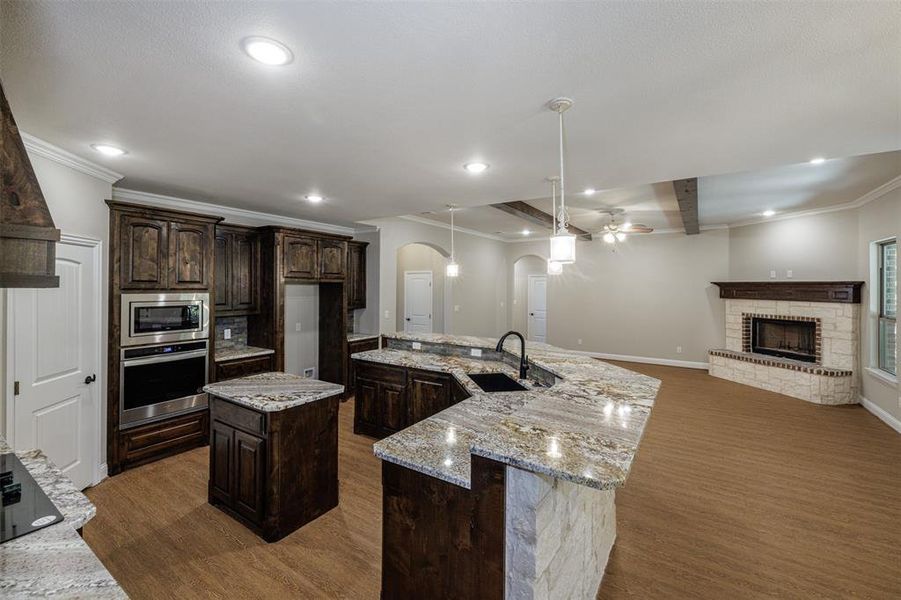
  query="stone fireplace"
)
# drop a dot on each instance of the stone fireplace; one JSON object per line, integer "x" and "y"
{"x": 800, "y": 339}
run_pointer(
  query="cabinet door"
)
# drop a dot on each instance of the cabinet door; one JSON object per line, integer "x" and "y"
{"x": 223, "y": 270}
{"x": 144, "y": 252}
{"x": 356, "y": 275}
{"x": 245, "y": 287}
{"x": 221, "y": 456}
{"x": 249, "y": 472}
{"x": 366, "y": 408}
{"x": 429, "y": 394}
{"x": 300, "y": 258}
{"x": 332, "y": 259}
{"x": 188, "y": 266}
{"x": 392, "y": 399}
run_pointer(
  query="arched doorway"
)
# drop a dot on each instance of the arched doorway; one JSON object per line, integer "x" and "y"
{"x": 529, "y": 305}
{"x": 422, "y": 290}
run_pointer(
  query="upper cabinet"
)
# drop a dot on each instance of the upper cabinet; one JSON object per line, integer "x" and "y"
{"x": 159, "y": 249}
{"x": 332, "y": 259}
{"x": 237, "y": 271}
{"x": 313, "y": 258}
{"x": 356, "y": 274}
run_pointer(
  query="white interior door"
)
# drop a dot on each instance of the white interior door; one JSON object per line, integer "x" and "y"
{"x": 418, "y": 301}
{"x": 55, "y": 351}
{"x": 537, "y": 304}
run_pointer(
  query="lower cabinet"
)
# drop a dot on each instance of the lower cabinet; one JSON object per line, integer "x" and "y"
{"x": 150, "y": 442}
{"x": 388, "y": 399}
{"x": 243, "y": 366}
{"x": 353, "y": 348}
{"x": 274, "y": 471}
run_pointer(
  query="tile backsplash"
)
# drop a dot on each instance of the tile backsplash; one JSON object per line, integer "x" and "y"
{"x": 238, "y": 326}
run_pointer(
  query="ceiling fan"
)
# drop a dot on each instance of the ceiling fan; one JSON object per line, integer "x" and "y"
{"x": 614, "y": 232}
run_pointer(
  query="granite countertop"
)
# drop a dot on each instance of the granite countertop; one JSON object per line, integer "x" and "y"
{"x": 237, "y": 352}
{"x": 270, "y": 392}
{"x": 359, "y": 337}
{"x": 54, "y": 561}
{"x": 585, "y": 428}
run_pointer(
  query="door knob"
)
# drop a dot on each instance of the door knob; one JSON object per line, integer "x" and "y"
{"x": 408, "y": 318}
{"x": 90, "y": 378}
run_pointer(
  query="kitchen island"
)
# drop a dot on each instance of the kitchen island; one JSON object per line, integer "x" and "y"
{"x": 274, "y": 450}
{"x": 506, "y": 494}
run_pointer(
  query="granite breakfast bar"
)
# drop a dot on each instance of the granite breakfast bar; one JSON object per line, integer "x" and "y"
{"x": 506, "y": 494}
{"x": 274, "y": 450}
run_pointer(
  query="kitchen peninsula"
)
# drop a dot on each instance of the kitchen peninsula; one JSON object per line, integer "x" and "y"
{"x": 506, "y": 494}
{"x": 274, "y": 450}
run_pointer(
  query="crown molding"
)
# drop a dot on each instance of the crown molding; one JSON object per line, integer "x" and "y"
{"x": 39, "y": 147}
{"x": 424, "y": 221}
{"x": 878, "y": 192}
{"x": 234, "y": 216}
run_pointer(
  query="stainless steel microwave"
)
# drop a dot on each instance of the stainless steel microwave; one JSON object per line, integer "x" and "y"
{"x": 164, "y": 317}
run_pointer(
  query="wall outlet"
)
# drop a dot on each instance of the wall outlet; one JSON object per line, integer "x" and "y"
{"x": 579, "y": 341}
{"x": 502, "y": 304}
{"x": 309, "y": 372}
{"x": 773, "y": 274}
{"x": 475, "y": 351}
{"x": 678, "y": 349}
{"x": 227, "y": 334}
{"x": 297, "y": 327}
{"x": 788, "y": 273}
{"x": 456, "y": 308}
{"x": 417, "y": 346}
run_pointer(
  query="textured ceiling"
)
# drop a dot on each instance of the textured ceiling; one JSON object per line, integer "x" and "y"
{"x": 386, "y": 101}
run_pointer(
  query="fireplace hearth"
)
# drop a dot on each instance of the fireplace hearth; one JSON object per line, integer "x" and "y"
{"x": 784, "y": 338}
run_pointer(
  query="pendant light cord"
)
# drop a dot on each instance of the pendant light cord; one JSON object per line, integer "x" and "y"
{"x": 563, "y": 216}
{"x": 453, "y": 258}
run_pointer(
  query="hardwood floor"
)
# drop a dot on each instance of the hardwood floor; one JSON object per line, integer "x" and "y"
{"x": 736, "y": 493}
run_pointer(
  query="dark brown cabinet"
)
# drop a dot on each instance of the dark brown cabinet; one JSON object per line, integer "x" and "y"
{"x": 356, "y": 274}
{"x": 332, "y": 259}
{"x": 301, "y": 257}
{"x": 189, "y": 267}
{"x": 144, "y": 249}
{"x": 237, "y": 271}
{"x": 243, "y": 366}
{"x": 146, "y": 443}
{"x": 274, "y": 471}
{"x": 388, "y": 399}
{"x": 353, "y": 348}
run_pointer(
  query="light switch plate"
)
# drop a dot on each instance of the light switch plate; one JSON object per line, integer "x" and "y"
{"x": 773, "y": 274}
{"x": 417, "y": 346}
{"x": 309, "y": 372}
{"x": 297, "y": 327}
{"x": 387, "y": 314}
{"x": 475, "y": 351}
{"x": 789, "y": 273}
{"x": 456, "y": 308}
{"x": 227, "y": 334}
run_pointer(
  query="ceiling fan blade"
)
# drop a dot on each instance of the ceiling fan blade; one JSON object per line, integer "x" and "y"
{"x": 639, "y": 228}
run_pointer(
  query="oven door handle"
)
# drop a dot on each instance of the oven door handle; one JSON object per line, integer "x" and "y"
{"x": 146, "y": 360}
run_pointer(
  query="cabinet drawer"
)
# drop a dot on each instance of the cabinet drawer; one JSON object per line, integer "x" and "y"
{"x": 380, "y": 373}
{"x": 243, "y": 367}
{"x": 154, "y": 440}
{"x": 238, "y": 416}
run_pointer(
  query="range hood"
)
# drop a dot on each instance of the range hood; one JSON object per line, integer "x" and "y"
{"x": 27, "y": 234}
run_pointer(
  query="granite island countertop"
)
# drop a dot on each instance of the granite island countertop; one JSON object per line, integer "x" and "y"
{"x": 585, "y": 428}
{"x": 269, "y": 392}
{"x": 54, "y": 561}
{"x": 238, "y": 352}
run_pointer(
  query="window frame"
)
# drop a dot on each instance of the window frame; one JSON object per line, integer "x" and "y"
{"x": 882, "y": 316}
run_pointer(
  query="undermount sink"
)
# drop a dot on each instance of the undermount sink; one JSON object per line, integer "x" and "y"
{"x": 496, "y": 382}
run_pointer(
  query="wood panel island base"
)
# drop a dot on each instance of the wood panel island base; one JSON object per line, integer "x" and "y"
{"x": 274, "y": 450}
{"x": 507, "y": 494}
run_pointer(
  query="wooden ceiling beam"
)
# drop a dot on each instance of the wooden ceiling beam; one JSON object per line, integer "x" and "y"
{"x": 687, "y": 195}
{"x": 538, "y": 217}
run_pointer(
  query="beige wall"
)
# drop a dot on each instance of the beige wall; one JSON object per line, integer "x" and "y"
{"x": 817, "y": 247}
{"x": 366, "y": 320}
{"x": 519, "y": 303}
{"x": 646, "y": 299}
{"x": 419, "y": 257}
{"x": 76, "y": 201}
{"x": 477, "y": 296}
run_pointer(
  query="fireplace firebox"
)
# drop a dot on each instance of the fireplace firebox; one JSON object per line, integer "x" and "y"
{"x": 785, "y": 338}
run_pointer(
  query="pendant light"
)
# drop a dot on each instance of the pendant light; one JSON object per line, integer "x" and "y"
{"x": 554, "y": 267}
{"x": 452, "y": 269}
{"x": 563, "y": 243}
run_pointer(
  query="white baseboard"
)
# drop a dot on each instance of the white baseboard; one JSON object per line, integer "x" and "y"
{"x": 102, "y": 473}
{"x": 648, "y": 360}
{"x": 881, "y": 414}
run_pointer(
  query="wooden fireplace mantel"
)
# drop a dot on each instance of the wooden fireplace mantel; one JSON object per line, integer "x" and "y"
{"x": 845, "y": 292}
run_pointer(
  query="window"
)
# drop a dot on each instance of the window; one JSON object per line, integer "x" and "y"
{"x": 888, "y": 305}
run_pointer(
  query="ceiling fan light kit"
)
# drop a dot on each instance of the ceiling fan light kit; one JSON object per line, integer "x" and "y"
{"x": 563, "y": 243}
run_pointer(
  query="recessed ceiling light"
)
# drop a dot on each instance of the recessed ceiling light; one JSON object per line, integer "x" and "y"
{"x": 817, "y": 161}
{"x": 315, "y": 198}
{"x": 475, "y": 167}
{"x": 266, "y": 51}
{"x": 769, "y": 212}
{"x": 108, "y": 150}
{"x": 526, "y": 232}
{"x": 589, "y": 191}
